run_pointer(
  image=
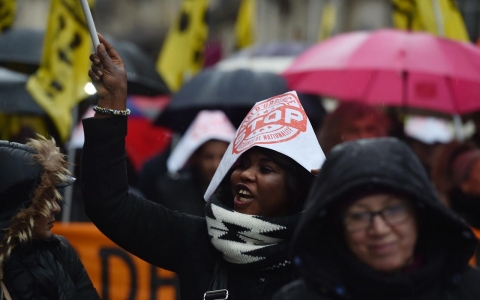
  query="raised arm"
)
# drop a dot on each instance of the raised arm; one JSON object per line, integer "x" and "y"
{"x": 142, "y": 227}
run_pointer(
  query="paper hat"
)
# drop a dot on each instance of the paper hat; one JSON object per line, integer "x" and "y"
{"x": 280, "y": 124}
{"x": 208, "y": 125}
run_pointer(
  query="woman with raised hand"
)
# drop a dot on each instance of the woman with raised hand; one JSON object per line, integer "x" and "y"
{"x": 254, "y": 199}
{"x": 375, "y": 229}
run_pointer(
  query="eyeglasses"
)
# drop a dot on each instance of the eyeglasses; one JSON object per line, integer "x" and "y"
{"x": 393, "y": 215}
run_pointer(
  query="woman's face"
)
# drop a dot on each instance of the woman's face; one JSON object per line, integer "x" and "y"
{"x": 208, "y": 157}
{"x": 42, "y": 230}
{"x": 384, "y": 241}
{"x": 259, "y": 186}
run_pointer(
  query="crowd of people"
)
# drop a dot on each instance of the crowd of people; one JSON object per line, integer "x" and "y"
{"x": 279, "y": 209}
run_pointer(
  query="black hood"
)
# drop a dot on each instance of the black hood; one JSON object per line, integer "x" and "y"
{"x": 19, "y": 175}
{"x": 383, "y": 164}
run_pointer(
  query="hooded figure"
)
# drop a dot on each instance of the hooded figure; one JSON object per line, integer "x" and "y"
{"x": 193, "y": 163}
{"x": 34, "y": 263}
{"x": 374, "y": 228}
{"x": 254, "y": 198}
{"x": 456, "y": 176}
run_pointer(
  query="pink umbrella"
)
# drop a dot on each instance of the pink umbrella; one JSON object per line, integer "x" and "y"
{"x": 392, "y": 67}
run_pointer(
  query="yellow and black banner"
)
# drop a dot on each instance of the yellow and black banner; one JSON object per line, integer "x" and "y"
{"x": 182, "y": 53}
{"x": 438, "y": 17}
{"x": 245, "y": 25}
{"x": 59, "y": 83}
{"x": 7, "y": 13}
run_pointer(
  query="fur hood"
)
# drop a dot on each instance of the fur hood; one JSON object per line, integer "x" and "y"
{"x": 29, "y": 178}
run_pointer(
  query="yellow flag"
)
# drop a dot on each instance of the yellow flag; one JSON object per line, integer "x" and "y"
{"x": 327, "y": 24}
{"x": 59, "y": 83}
{"x": 438, "y": 17}
{"x": 245, "y": 25}
{"x": 15, "y": 125}
{"x": 7, "y": 13}
{"x": 183, "y": 50}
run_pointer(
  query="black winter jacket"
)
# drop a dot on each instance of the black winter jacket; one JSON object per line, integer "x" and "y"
{"x": 174, "y": 241}
{"x": 47, "y": 270}
{"x": 330, "y": 271}
{"x": 182, "y": 191}
{"x": 466, "y": 206}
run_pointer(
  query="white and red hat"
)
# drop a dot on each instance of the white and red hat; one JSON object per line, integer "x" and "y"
{"x": 207, "y": 125}
{"x": 280, "y": 124}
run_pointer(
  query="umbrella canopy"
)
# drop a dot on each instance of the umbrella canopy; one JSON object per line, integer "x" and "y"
{"x": 142, "y": 77}
{"x": 233, "y": 92}
{"x": 392, "y": 67}
{"x": 21, "y": 50}
{"x": 273, "y": 57}
{"x": 14, "y": 98}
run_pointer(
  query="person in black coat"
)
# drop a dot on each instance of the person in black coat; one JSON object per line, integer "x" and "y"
{"x": 374, "y": 228}
{"x": 240, "y": 246}
{"x": 193, "y": 163}
{"x": 34, "y": 263}
{"x": 456, "y": 176}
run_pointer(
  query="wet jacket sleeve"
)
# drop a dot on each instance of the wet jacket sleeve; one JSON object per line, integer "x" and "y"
{"x": 142, "y": 227}
{"x": 83, "y": 285}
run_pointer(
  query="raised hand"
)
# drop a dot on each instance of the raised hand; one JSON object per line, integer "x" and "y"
{"x": 109, "y": 77}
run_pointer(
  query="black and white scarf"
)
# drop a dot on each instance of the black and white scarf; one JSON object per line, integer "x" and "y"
{"x": 248, "y": 241}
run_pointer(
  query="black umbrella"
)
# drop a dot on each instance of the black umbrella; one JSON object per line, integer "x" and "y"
{"x": 142, "y": 77}
{"x": 21, "y": 50}
{"x": 14, "y": 98}
{"x": 234, "y": 92}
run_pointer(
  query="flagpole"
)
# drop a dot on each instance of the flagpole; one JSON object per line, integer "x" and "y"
{"x": 71, "y": 157}
{"x": 90, "y": 24}
{"x": 67, "y": 208}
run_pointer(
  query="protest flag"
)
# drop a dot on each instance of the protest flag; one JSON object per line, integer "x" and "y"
{"x": 328, "y": 22}
{"x": 245, "y": 24}
{"x": 7, "y": 14}
{"x": 59, "y": 83}
{"x": 438, "y": 17}
{"x": 182, "y": 52}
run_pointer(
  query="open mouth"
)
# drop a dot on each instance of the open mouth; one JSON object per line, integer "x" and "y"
{"x": 243, "y": 196}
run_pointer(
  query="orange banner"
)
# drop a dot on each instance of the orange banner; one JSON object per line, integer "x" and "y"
{"x": 115, "y": 273}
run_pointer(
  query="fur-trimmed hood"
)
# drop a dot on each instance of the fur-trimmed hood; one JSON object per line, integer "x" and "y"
{"x": 29, "y": 178}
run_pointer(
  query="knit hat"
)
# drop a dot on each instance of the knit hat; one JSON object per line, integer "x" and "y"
{"x": 463, "y": 164}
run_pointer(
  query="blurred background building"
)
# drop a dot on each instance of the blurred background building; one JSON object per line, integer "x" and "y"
{"x": 146, "y": 22}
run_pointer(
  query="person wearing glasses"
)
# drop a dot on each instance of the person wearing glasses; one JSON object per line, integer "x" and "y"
{"x": 374, "y": 228}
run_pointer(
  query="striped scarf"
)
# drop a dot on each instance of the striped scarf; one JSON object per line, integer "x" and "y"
{"x": 248, "y": 241}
